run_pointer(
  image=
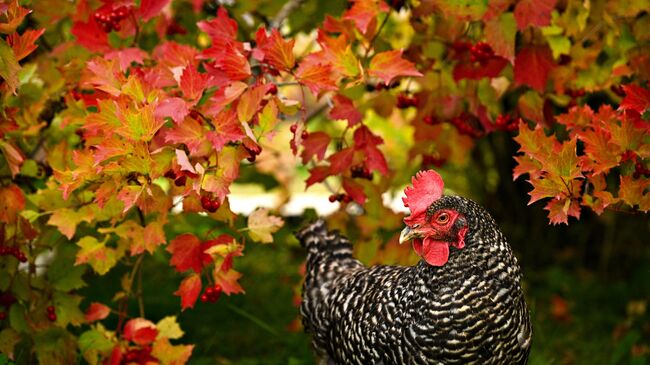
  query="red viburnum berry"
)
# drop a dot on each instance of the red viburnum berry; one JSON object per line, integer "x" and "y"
{"x": 293, "y": 128}
{"x": 332, "y": 198}
{"x": 51, "y": 316}
{"x": 272, "y": 89}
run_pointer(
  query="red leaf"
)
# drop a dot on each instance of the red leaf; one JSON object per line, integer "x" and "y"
{"x": 129, "y": 195}
{"x": 363, "y": 12}
{"x": 187, "y": 253}
{"x": 275, "y": 50}
{"x": 220, "y": 27}
{"x": 96, "y": 312}
{"x": 344, "y": 109}
{"x": 390, "y": 64}
{"x": 559, "y": 210}
{"x": 23, "y": 45}
{"x": 341, "y": 160}
{"x": 533, "y": 12}
{"x": 189, "y": 291}
{"x": 317, "y": 174}
{"x": 315, "y": 145}
{"x": 234, "y": 64}
{"x": 151, "y": 8}
{"x": 375, "y": 159}
{"x": 636, "y": 98}
{"x": 533, "y": 65}
{"x": 192, "y": 84}
{"x": 228, "y": 281}
{"x": 190, "y": 132}
{"x": 364, "y": 137}
{"x": 316, "y": 76}
{"x": 13, "y": 15}
{"x": 354, "y": 190}
{"x": 175, "y": 108}
{"x": 227, "y": 129}
{"x": 127, "y": 56}
{"x": 140, "y": 331}
{"x": 91, "y": 35}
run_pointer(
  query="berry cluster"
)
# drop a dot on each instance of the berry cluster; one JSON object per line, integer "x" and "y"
{"x": 340, "y": 198}
{"x": 294, "y": 128}
{"x": 361, "y": 171}
{"x": 51, "y": 313}
{"x": 138, "y": 356}
{"x": 13, "y": 251}
{"x": 178, "y": 180}
{"x": 211, "y": 293}
{"x": 110, "y": 20}
{"x": 467, "y": 124}
{"x": 640, "y": 170}
{"x": 481, "y": 52}
{"x": 505, "y": 122}
{"x": 209, "y": 203}
{"x": 404, "y": 101}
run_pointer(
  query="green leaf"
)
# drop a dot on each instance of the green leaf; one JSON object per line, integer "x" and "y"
{"x": 17, "y": 318}
{"x": 9, "y": 67}
{"x": 168, "y": 327}
{"x": 97, "y": 255}
{"x": 55, "y": 346}
{"x": 62, "y": 272}
{"x": 8, "y": 340}
{"x": 93, "y": 343}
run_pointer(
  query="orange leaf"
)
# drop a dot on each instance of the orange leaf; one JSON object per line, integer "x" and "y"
{"x": 363, "y": 12}
{"x": 23, "y": 45}
{"x": 228, "y": 281}
{"x": 275, "y": 50}
{"x": 96, "y": 312}
{"x": 189, "y": 290}
{"x": 390, "y": 64}
{"x": 316, "y": 76}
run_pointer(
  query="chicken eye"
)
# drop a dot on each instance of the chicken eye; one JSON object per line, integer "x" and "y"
{"x": 442, "y": 218}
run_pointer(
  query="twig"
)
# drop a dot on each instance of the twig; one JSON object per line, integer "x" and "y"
{"x": 289, "y": 7}
{"x": 374, "y": 36}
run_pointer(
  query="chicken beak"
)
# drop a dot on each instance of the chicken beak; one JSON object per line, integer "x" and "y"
{"x": 408, "y": 234}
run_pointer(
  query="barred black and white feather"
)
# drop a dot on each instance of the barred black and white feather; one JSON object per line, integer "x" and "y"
{"x": 469, "y": 311}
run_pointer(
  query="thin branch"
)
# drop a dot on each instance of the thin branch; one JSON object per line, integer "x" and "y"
{"x": 288, "y": 8}
{"x": 374, "y": 37}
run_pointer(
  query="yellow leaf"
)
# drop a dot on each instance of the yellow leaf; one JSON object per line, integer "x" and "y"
{"x": 169, "y": 328}
{"x": 261, "y": 225}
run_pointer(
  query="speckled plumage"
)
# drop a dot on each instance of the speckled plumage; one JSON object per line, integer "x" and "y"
{"x": 470, "y": 310}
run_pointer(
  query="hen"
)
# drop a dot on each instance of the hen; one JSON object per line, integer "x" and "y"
{"x": 461, "y": 304}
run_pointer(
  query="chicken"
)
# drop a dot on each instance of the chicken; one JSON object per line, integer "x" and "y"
{"x": 461, "y": 304}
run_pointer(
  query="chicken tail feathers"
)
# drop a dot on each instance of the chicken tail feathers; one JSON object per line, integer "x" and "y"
{"x": 316, "y": 238}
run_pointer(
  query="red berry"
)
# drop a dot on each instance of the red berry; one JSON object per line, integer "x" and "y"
{"x": 204, "y": 298}
{"x": 251, "y": 158}
{"x": 304, "y": 135}
{"x": 170, "y": 174}
{"x": 346, "y": 198}
{"x": 51, "y": 316}
{"x": 332, "y": 198}
{"x": 272, "y": 89}
{"x": 205, "y": 202}
{"x": 293, "y": 128}
{"x": 117, "y": 27}
{"x": 50, "y": 309}
{"x": 214, "y": 205}
{"x": 209, "y": 290}
{"x": 3, "y": 316}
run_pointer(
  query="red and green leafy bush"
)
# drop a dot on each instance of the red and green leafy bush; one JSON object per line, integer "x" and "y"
{"x": 121, "y": 117}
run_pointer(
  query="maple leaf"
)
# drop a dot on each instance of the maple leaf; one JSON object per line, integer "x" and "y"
{"x": 151, "y": 8}
{"x": 341, "y": 161}
{"x": 343, "y": 108}
{"x": 559, "y": 210}
{"x": 600, "y": 198}
{"x": 106, "y": 75}
{"x": 546, "y": 187}
{"x": 192, "y": 84}
{"x": 632, "y": 192}
{"x": 96, "y": 254}
{"x": 187, "y": 253}
{"x": 91, "y": 35}
{"x": 390, "y": 64}
{"x": 228, "y": 281}
{"x": 636, "y": 98}
{"x": 97, "y": 312}
{"x": 23, "y": 45}
{"x": 126, "y": 56}
{"x": 191, "y": 133}
{"x": 12, "y": 202}
{"x": 338, "y": 53}
{"x": 317, "y": 174}
{"x": 317, "y": 76}
{"x": 526, "y": 165}
{"x": 14, "y": 15}
{"x": 220, "y": 27}
{"x": 533, "y": 64}
{"x": 261, "y": 225}
{"x": 375, "y": 159}
{"x": 276, "y": 52}
{"x": 168, "y": 327}
{"x": 140, "y": 331}
{"x": 354, "y": 190}
{"x": 363, "y": 12}
{"x": 227, "y": 129}
{"x": 577, "y": 119}
{"x": 315, "y": 145}
{"x": 169, "y": 354}
{"x": 249, "y": 103}
{"x": 66, "y": 220}
{"x": 189, "y": 290}
{"x": 600, "y": 154}
{"x": 9, "y": 66}
{"x": 533, "y": 12}
{"x": 175, "y": 108}
{"x": 129, "y": 195}
{"x": 500, "y": 34}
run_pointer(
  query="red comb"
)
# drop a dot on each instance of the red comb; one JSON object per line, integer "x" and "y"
{"x": 427, "y": 188}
